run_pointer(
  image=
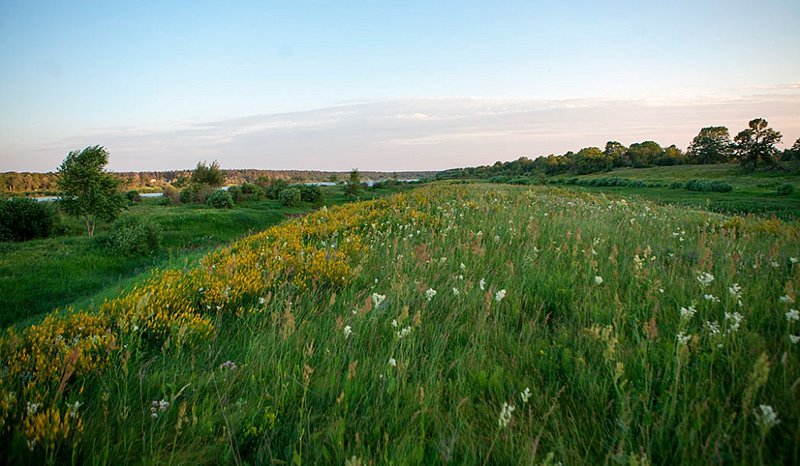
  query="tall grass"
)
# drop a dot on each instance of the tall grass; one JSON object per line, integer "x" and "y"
{"x": 472, "y": 324}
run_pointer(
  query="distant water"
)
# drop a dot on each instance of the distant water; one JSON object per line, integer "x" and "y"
{"x": 55, "y": 198}
{"x": 368, "y": 182}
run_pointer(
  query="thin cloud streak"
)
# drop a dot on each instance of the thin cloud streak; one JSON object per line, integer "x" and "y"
{"x": 419, "y": 134}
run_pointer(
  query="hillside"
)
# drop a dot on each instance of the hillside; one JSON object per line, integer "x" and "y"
{"x": 473, "y": 323}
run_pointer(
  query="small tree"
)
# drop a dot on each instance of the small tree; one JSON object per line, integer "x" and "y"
{"x": 353, "y": 187}
{"x": 755, "y": 143}
{"x": 87, "y": 190}
{"x": 792, "y": 153}
{"x": 209, "y": 175}
{"x": 711, "y": 145}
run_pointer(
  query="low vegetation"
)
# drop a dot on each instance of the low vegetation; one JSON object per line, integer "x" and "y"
{"x": 469, "y": 323}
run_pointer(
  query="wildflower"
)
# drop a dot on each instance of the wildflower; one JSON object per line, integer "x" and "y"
{"x": 455, "y": 292}
{"x": 705, "y": 279}
{"x": 261, "y": 301}
{"x": 500, "y": 295}
{"x": 793, "y": 260}
{"x": 688, "y": 312}
{"x": 793, "y": 315}
{"x": 598, "y": 280}
{"x": 32, "y": 408}
{"x": 378, "y": 299}
{"x": 711, "y": 297}
{"x": 462, "y": 266}
{"x": 394, "y": 323}
{"x": 347, "y": 331}
{"x": 786, "y": 299}
{"x": 496, "y": 238}
{"x": 774, "y": 264}
{"x": 229, "y": 365}
{"x": 430, "y": 293}
{"x": 404, "y": 332}
{"x": 712, "y": 327}
{"x": 735, "y": 320}
{"x": 505, "y": 415}
{"x": 158, "y": 407}
{"x": 736, "y": 291}
{"x": 73, "y": 408}
{"x": 766, "y": 417}
{"x": 482, "y": 284}
{"x": 793, "y": 339}
{"x": 525, "y": 395}
{"x": 393, "y": 362}
{"x": 683, "y": 338}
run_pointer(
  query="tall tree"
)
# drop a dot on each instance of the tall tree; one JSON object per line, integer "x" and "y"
{"x": 87, "y": 190}
{"x": 615, "y": 151}
{"x": 755, "y": 143}
{"x": 792, "y": 153}
{"x": 353, "y": 186}
{"x": 210, "y": 175}
{"x": 711, "y": 145}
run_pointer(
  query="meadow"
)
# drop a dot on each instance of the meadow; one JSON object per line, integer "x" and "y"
{"x": 456, "y": 323}
{"x": 73, "y": 271}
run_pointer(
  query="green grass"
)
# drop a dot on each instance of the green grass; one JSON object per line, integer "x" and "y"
{"x": 72, "y": 271}
{"x": 608, "y": 378}
{"x": 753, "y": 192}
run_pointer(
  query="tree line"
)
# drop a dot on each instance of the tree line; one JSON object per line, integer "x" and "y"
{"x": 753, "y": 147}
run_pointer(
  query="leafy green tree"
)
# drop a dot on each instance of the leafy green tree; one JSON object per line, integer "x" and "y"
{"x": 591, "y": 160}
{"x": 711, "y": 145}
{"x": 615, "y": 151}
{"x": 672, "y": 156}
{"x": 643, "y": 154}
{"x": 755, "y": 143}
{"x": 792, "y": 153}
{"x": 353, "y": 187}
{"x": 87, "y": 190}
{"x": 209, "y": 175}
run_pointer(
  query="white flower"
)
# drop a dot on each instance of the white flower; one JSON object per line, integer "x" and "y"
{"x": 688, "y": 313}
{"x": 793, "y": 260}
{"x": 766, "y": 417}
{"x": 705, "y": 279}
{"x": 404, "y": 332}
{"x": 736, "y": 291}
{"x": 792, "y": 315}
{"x": 786, "y": 299}
{"x": 500, "y": 295}
{"x": 394, "y": 323}
{"x": 482, "y": 284}
{"x": 793, "y": 339}
{"x": 496, "y": 238}
{"x": 598, "y": 280}
{"x": 158, "y": 407}
{"x": 713, "y": 327}
{"x": 347, "y": 331}
{"x": 430, "y": 293}
{"x": 711, "y": 297}
{"x": 774, "y": 264}
{"x": 683, "y": 338}
{"x": 261, "y": 300}
{"x": 462, "y": 266}
{"x": 455, "y": 292}
{"x": 378, "y": 299}
{"x": 735, "y": 320}
{"x": 525, "y": 395}
{"x": 228, "y": 365}
{"x": 393, "y": 362}
{"x": 505, "y": 415}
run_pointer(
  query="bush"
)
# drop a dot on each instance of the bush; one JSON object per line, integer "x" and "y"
{"x": 23, "y": 219}
{"x": 236, "y": 194}
{"x": 708, "y": 186}
{"x": 785, "y": 189}
{"x": 275, "y": 186}
{"x": 290, "y": 197}
{"x": 676, "y": 185}
{"x": 220, "y": 199}
{"x": 196, "y": 193}
{"x": 172, "y": 194}
{"x": 252, "y": 192}
{"x": 310, "y": 193}
{"x": 164, "y": 201}
{"x": 133, "y": 196}
{"x": 132, "y": 236}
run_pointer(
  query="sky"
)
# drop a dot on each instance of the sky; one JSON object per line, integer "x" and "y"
{"x": 380, "y": 85}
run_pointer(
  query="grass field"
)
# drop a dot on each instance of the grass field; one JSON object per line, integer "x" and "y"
{"x": 38, "y": 276}
{"x": 753, "y": 192}
{"x": 480, "y": 324}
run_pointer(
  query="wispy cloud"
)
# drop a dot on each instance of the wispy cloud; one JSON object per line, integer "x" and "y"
{"x": 423, "y": 133}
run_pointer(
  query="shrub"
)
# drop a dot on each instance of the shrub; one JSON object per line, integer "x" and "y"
{"x": 290, "y": 197}
{"x": 196, "y": 193}
{"x": 132, "y": 236}
{"x": 676, "y": 185}
{"x": 220, "y": 199}
{"x": 310, "y": 193}
{"x": 172, "y": 194}
{"x": 708, "y": 186}
{"x": 133, "y": 196}
{"x": 164, "y": 201}
{"x": 252, "y": 192}
{"x": 785, "y": 189}
{"x": 236, "y": 194}
{"x": 275, "y": 186}
{"x": 23, "y": 219}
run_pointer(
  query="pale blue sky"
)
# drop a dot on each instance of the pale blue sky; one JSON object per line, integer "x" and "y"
{"x": 136, "y": 76}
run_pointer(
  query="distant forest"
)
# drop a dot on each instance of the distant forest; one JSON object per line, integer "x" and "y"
{"x": 752, "y": 147}
{"x": 45, "y": 183}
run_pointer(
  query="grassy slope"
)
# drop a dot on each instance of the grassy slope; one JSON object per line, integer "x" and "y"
{"x": 608, "y": 380}
{"x": 38, "y": 276}
{"x": 753, "y": 192}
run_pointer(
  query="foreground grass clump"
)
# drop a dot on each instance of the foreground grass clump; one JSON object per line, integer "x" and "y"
{"x": 470, "y": 324}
